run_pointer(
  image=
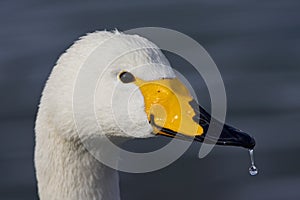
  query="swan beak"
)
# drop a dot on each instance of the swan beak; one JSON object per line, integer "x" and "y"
{"x": 172, "y": 111}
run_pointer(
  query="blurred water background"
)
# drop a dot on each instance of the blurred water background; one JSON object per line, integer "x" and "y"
{"x": 256, "y": 46}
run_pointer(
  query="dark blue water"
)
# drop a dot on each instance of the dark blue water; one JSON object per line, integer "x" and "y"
{"x": 256, "y": 46}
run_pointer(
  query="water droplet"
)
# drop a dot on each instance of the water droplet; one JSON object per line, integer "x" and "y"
{"x": 252, "y": 169}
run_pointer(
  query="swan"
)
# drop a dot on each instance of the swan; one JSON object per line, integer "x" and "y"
{"x": 64, "y": 168}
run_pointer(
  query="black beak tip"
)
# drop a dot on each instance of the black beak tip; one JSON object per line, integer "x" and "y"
{"x": 229, "y": 136}
{"x": 244, "y": 140}
{"x": 248, "y": 142}
{"x": 235, "y": 137}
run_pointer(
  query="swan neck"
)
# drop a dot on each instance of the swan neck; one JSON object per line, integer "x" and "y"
{"x": 66, "y": 170}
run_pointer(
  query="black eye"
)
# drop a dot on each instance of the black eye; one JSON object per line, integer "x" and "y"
{"x": 126, "y": 77}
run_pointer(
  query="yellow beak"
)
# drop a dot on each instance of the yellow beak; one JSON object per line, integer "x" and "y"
{"x": 172, "y": 111}
{"x": 167, "y": 104}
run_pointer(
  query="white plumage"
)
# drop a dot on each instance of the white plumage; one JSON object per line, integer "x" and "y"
{"x": 65, "y": 169}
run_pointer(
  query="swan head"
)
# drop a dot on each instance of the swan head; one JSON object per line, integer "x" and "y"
{"x": 134, "y": 92}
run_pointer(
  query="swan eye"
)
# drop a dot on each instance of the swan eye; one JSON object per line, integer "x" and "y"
{"x": 126, "y": 77}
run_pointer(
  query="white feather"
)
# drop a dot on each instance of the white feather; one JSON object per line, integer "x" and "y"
{"x": 64, "y": 168}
